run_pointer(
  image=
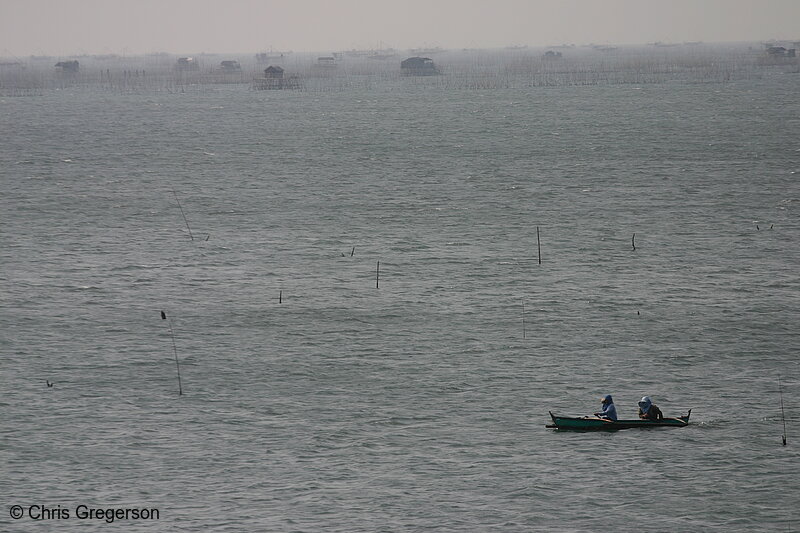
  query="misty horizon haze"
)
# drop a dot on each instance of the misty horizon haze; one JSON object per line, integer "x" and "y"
{"x": 77, "y": 27}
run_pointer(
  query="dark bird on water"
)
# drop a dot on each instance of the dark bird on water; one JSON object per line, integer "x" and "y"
{"x": 48, "y": 383}
{"x": 163, "y": 315}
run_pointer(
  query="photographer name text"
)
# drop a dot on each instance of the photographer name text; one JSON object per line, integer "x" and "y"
{"x": 82, "y": 512}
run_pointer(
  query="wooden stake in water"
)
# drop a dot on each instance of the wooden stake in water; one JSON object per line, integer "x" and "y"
{"x": 184, "y": 214}
{"x": 783, "y": 415}
{"x": 377, "y": 274}
{"x": 175, "y": 350}
{"x": 539, "y": 245}
{"x": 633, "y": 242}
{"x": 523, "y": 319}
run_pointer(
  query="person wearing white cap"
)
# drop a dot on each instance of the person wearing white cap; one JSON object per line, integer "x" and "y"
{"x": 648, "y": 410}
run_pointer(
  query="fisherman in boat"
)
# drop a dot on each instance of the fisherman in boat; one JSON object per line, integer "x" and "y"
{"x": 609, "y": 411}
{"x": 648, "y": 410}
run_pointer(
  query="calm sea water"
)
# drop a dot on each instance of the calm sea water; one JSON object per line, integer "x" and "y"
{"x": 314, "y": 401}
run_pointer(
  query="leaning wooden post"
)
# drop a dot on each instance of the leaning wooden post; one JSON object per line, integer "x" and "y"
{"x": 539, "y": 245}
{"x": 175, "y": 350}
{"x": 183, "y": 214}
{"x": 523, "y": 319}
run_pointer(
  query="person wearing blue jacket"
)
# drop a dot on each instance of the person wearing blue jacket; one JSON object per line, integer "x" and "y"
{"x": 609, "y": 411}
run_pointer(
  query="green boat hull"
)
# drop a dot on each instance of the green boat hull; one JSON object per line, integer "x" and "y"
{"x": 601, "y": 424}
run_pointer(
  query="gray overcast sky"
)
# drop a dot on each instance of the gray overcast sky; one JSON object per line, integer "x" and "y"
{"x": 67, "y": 27}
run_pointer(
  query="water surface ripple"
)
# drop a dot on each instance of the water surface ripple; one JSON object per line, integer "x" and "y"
{"x": 418, "y": 405}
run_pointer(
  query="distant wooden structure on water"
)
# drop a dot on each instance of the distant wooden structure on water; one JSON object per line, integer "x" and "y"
{"x": 187, "y": 64}
{"x": 274, "y": 79}
{"x": 418, "y": 66}
{"x": 273, "y": 73}
{"x": 230, "y": 66}
{"x": 325, "y": 67}
{"x": 11, "y": 66}
{"x": 70, "y": 67}
{"x": 778, "y": 54}
{"x": 780, "y": 51}
{"x": 266, "y": 57}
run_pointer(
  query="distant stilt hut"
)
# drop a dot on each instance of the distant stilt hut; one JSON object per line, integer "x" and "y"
{"x": 418, "y": 66}
{"x": 230, "y": 66}
{"x": 71, "y": 67}
{"x": 264, "y": 57}
{"x": 187, "y": 64}
{"x": 324, "y": 67}
{"x": 780, "y": 51}
{"x": 274, "y": 79}
{"x": 273, "y": 73}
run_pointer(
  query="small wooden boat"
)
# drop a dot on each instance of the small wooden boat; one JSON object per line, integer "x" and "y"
{"x": 592, "y": 423}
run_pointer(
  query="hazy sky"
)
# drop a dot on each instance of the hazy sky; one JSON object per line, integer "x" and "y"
{"x": 68, "y": 27}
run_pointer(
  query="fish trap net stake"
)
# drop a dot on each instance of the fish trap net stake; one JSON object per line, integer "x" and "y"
{"x": 175, "y": 351}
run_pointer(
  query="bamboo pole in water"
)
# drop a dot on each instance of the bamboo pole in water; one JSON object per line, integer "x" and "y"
{"x": 783, "y": 414}
{"x": 184, "y": 214}
{"x": 539, "y": 245}
{"x": 523, "y": 319}
{"x": 175, "y": 350}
